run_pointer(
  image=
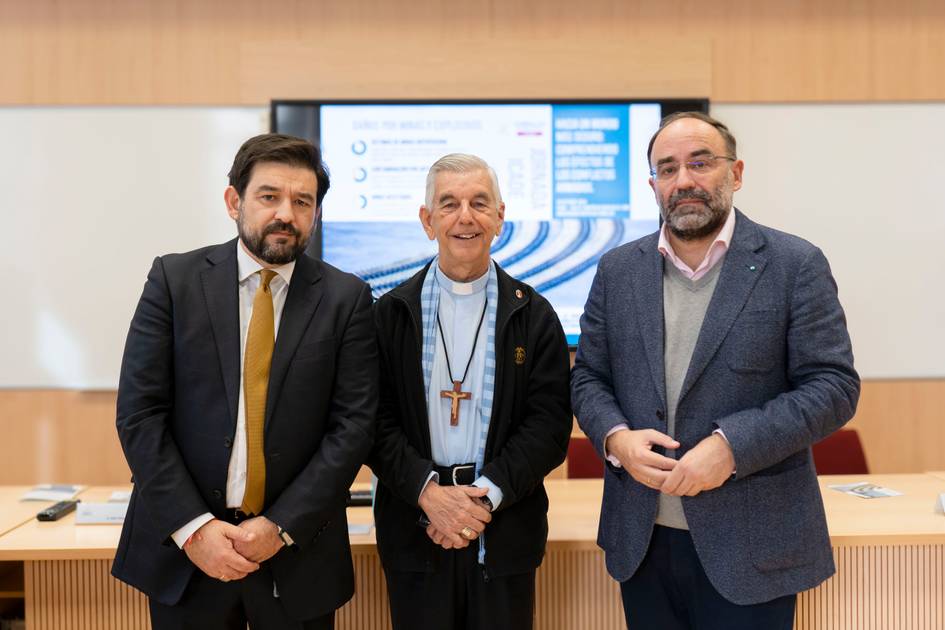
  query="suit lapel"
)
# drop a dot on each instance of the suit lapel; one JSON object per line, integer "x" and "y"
{"x": 305, "y": 292}
{"x": 647, "y": 297}
{"x": 742, "y": 267}
{"x": 221, "y": 291}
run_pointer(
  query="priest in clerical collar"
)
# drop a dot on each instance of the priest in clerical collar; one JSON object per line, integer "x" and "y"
{"x": 474, "y": 413}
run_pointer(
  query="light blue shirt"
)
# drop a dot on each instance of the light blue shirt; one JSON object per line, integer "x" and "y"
{"x": 461, "y": 306}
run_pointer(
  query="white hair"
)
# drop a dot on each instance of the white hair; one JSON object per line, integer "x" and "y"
{"x": 460, "y": 163}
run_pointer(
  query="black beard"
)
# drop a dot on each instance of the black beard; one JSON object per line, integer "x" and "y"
{"x": 717, "y": 213}
{"x": 273, "y": 253}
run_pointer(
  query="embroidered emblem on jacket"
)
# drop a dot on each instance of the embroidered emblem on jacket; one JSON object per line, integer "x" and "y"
{"x": 519, "y": 355}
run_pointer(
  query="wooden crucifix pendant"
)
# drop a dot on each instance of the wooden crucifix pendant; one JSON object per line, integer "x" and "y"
{"x": 456, "y": 396}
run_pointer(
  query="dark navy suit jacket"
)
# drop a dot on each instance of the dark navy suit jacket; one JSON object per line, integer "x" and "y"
{"x": 772, "y": 368}
{"x": 178, "y": 396}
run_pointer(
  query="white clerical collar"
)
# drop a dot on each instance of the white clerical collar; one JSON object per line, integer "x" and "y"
{"x": 463, "y": 288}
{"x": 246, "y": 265}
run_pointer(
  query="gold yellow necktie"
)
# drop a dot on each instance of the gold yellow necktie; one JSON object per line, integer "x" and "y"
{"x": 257, "y": 359}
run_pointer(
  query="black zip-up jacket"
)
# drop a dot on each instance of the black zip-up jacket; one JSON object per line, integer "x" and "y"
{"x": 528, "y": 434}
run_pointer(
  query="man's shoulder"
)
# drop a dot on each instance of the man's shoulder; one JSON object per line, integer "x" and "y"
{"x": 409, "y": 290}
{"x": 629, "y": 250}
{"x": 778, "y": 242}
{"x": 514, "y": 292}
{"x": 197, "y": 259}
{"x": 511, "y": 288}
{"x": 333, "y": 275}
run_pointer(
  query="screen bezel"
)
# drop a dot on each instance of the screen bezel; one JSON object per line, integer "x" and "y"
{"x": 308, "y": 124}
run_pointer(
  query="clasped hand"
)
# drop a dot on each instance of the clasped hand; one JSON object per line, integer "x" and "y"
{"x": 452, "y": 509}
{"x": 706, "y": 466}
{"x": 227, "y": 552}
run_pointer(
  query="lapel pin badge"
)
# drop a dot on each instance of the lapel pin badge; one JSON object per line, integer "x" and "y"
{"x": 751, "y": 267}
{"x": 519, "y": 355}
{"x": 519, "y": 294}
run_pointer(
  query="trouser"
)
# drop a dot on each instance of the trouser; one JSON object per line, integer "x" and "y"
{"x": 210, "y": 604}
{"x": 460, "y": 595}
{"x": 670, "y": 591}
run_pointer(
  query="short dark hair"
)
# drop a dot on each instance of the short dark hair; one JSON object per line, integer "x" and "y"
{"x": 719, "y": 126}
{"x": 282, "y": 149}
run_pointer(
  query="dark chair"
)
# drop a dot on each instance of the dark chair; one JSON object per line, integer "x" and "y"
{"x": 840, "y": 453}
{"x": 583, "y": 460}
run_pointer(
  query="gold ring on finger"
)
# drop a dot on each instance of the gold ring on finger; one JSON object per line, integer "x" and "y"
{"x": 467, "y": 533}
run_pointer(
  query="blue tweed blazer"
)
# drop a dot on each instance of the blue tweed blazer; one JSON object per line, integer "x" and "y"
{"x": 772, "y": 368}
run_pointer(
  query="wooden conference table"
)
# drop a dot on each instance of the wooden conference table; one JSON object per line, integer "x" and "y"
{"x": 890, "y": 556}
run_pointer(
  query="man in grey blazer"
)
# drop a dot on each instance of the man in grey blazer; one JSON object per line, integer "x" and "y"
{"x": 713, "y": 353}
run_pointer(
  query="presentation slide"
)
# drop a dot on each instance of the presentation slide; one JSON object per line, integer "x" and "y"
{"x": 573, "y": 178}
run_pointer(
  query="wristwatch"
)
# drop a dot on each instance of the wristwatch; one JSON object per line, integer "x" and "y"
{"x": 486, "y": 501}
{"x": 284, "y": 535}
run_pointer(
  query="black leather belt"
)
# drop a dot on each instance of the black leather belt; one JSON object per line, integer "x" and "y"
{"x": 458, "y": 475}
{"x": 235, "y": 516}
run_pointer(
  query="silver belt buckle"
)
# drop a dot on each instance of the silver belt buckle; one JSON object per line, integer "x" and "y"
{"x": 455, "y": 468}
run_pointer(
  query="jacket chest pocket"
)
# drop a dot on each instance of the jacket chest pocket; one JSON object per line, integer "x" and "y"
{"x": 756, "y": 342}
{"x": 315, "y": 350}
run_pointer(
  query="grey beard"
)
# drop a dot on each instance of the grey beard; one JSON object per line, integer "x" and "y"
{"x": 700, "y": 224}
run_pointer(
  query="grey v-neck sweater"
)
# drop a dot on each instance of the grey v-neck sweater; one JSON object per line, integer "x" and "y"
{"x": 684, "y": 306}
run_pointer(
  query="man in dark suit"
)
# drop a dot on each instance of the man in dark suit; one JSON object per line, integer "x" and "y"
{"x": 245, "y": 408}
{"x": 712, "y": 355}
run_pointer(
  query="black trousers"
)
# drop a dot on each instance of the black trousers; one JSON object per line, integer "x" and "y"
{"x": 459, "y": 595}
{"x": 670, "y": 591}
{"x": 209, "y": 604}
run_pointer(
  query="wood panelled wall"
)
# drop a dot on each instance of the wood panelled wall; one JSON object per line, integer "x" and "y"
{"x": 248, "y": 51}
{"x": 68, "y": 436}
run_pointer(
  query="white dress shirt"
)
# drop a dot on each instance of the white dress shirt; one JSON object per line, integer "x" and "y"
{"x": 249, "y": 280}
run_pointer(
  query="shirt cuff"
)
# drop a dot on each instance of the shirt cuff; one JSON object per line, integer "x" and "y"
{"x": 610, "y": 458}
{"x": 188, "y": 530}
{"x": 494, "y": 492}
{"x": 284, "y": 535}
{"x": 434, "y": 477}
{"x": 722, "y": 433}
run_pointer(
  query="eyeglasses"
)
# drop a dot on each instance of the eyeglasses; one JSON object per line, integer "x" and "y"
{"x": 668, "y": 171}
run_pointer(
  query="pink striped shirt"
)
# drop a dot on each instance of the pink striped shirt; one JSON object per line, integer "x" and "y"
{"x": 715, "y": 253}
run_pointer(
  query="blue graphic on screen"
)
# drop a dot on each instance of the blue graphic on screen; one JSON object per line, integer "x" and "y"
{"x": 573, "y": 178}
{"x": 591, "y": 161}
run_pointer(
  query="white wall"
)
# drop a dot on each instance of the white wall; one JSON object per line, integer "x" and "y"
{"x": 91, "y": 195}
{"x": 865, "y": 183}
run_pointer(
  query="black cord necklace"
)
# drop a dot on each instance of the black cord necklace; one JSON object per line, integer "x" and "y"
{"x": 456, "y": 394}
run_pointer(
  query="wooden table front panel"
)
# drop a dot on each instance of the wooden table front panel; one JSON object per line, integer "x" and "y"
{"x": 876, "y": 588}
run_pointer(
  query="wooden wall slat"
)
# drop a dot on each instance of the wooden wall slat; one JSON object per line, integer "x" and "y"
{"x": 49, "y": 434}
{"x": 902, "y": 425}
{"x": 368, "y": 609}
{"x": 878, "y": 588}
{"x": 81, "y": 595}
{"x": 875, "y": 588}
{"x": 212, "y": 51}
{"x": 60, "y": 436}
{"x": 573, "y": 590}
{"x": 393, "y": 67}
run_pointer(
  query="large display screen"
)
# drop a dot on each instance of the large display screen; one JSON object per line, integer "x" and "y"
{"x": 573, "y": 176}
